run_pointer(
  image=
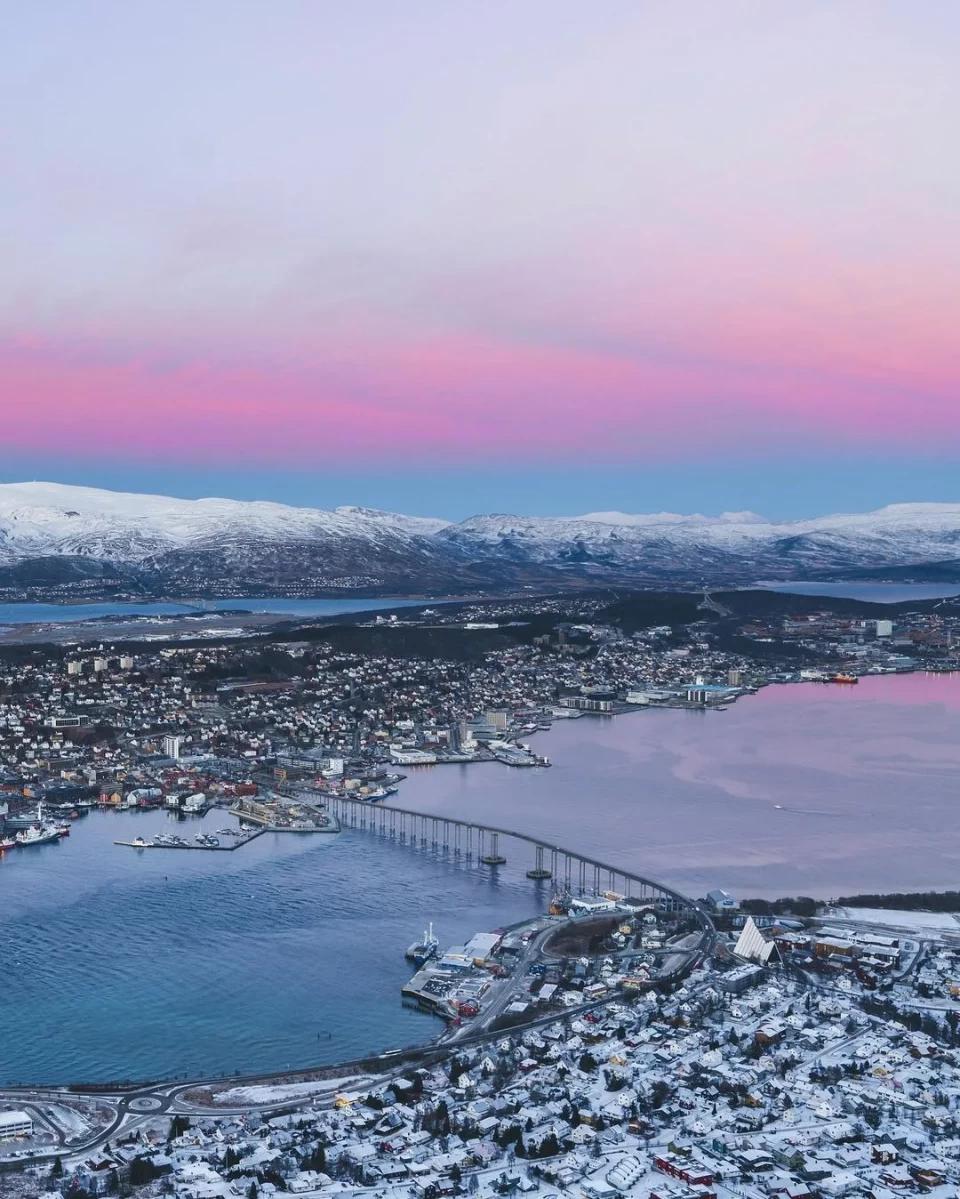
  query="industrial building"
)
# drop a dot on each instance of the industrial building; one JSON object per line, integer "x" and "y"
{"x": 15, "y": 1124}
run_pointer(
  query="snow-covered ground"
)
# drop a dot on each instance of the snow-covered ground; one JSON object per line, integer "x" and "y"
{"x": 934, "y": 922}
{"x": 68, "y": 1119}
{"x": 239, "y": 1096}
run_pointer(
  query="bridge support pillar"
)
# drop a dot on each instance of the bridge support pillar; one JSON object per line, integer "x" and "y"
{"x": 539, "y": 870}
{"x": 494, "y": 857}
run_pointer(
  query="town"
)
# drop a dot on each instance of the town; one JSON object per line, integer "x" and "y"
{"x": 187, "y": 726}
{"x": 628, "y": 1041}
{"x": 796, "y": 1058}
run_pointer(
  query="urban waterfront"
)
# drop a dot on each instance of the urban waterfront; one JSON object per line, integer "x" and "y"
{"x": 290, "y": 950}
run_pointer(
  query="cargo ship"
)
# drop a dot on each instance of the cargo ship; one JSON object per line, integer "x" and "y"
{"x": 844, "y": 678}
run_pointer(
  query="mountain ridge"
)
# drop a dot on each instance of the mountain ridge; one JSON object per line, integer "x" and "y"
{"x": 154, "y": 543}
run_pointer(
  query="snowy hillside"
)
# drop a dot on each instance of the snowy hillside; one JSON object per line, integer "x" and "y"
{"x": 163, "y": 543}
{"x": 39, "y": 519}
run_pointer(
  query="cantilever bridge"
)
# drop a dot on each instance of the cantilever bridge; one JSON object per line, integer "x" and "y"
{"x": 487, "y": 845}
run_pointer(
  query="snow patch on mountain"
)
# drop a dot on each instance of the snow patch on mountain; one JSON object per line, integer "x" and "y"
{"x": 670, "y": 518}
{"x": 41, "y": 519}
{"x": 259, "y": 540}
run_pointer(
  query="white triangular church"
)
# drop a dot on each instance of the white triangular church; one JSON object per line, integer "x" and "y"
{"x": 752, "y": 944}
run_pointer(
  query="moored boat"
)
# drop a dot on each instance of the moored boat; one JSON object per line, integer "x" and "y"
{"x": 426, "y": 948}
{"x": 38, "y": 835}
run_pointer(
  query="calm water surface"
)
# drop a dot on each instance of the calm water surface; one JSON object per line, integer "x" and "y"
{"x": 876, "y": 593}
{"x": 63, "y": 613}
{"x": 121, "y": 963}
{"x": 290, "y": 950}
{"x": 867, "y": 780}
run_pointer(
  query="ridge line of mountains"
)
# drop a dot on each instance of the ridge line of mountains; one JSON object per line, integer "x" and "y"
{"x": 88, "y": 540}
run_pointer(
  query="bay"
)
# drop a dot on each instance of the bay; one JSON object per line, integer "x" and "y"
{"x": 148, "y": 964}
{"x": 799, "y": 789}
{"x": 289, "y": 951}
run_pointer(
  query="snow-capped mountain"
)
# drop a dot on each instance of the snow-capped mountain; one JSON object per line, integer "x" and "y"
{"x": 735, "y": 545}
{"x": 52, "y": 534}
{"x": 160, "y": 543}
{"x": 51, "y": 518}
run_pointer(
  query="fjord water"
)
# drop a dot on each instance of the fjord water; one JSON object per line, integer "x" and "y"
{"x": 144, "y": 964}
{"x": 809, "y": 789}
{"x": 30, "y": 613}
{"x": 289, "y": 951}
{"x": 874, "y": 593}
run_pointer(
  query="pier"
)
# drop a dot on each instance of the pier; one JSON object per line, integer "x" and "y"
{"x": 234, "y": 843}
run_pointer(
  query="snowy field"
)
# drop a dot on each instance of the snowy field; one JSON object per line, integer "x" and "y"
{"x": 937, "y": 922}
{"x": 241, "y": 1096}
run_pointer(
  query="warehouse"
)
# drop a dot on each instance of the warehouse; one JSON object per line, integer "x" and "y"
{"x": 15, "y": 1124}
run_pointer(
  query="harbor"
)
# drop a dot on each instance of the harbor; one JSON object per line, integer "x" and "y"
{"x": 287, "y": 816}
{"x": 585, "y": 949}
{"x": 256, "y": 818}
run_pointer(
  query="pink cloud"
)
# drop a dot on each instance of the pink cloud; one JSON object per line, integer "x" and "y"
{"x": 446, "y": 399}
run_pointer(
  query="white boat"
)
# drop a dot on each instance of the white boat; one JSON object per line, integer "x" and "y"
{"x": 38, "y": 835}
{"x": 426, "y": 948}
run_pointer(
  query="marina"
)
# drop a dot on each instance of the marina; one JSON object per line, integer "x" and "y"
{"x": 201, "y": 841}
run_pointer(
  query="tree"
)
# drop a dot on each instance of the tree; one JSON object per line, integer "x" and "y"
{"x": 252, "y": 1190}
{"x": 142, "y": 1172}
{"x": 178, "y": 1126}
{"x": 56, "y": 1170}
{"x": 316, "y": 1160}
{"x": 550, "y": 1146}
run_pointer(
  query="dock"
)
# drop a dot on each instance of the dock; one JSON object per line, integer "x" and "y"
{"x": 235, "y": 843}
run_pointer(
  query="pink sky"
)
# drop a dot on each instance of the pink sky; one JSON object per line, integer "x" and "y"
{"x": 448, "y": 234}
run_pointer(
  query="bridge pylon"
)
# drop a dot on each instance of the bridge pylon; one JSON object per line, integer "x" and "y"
{"x": 494, "y": 857}
{"x": 539, "y": 871}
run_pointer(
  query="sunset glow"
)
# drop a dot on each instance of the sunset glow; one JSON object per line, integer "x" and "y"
{"x": 645, "y": 237}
